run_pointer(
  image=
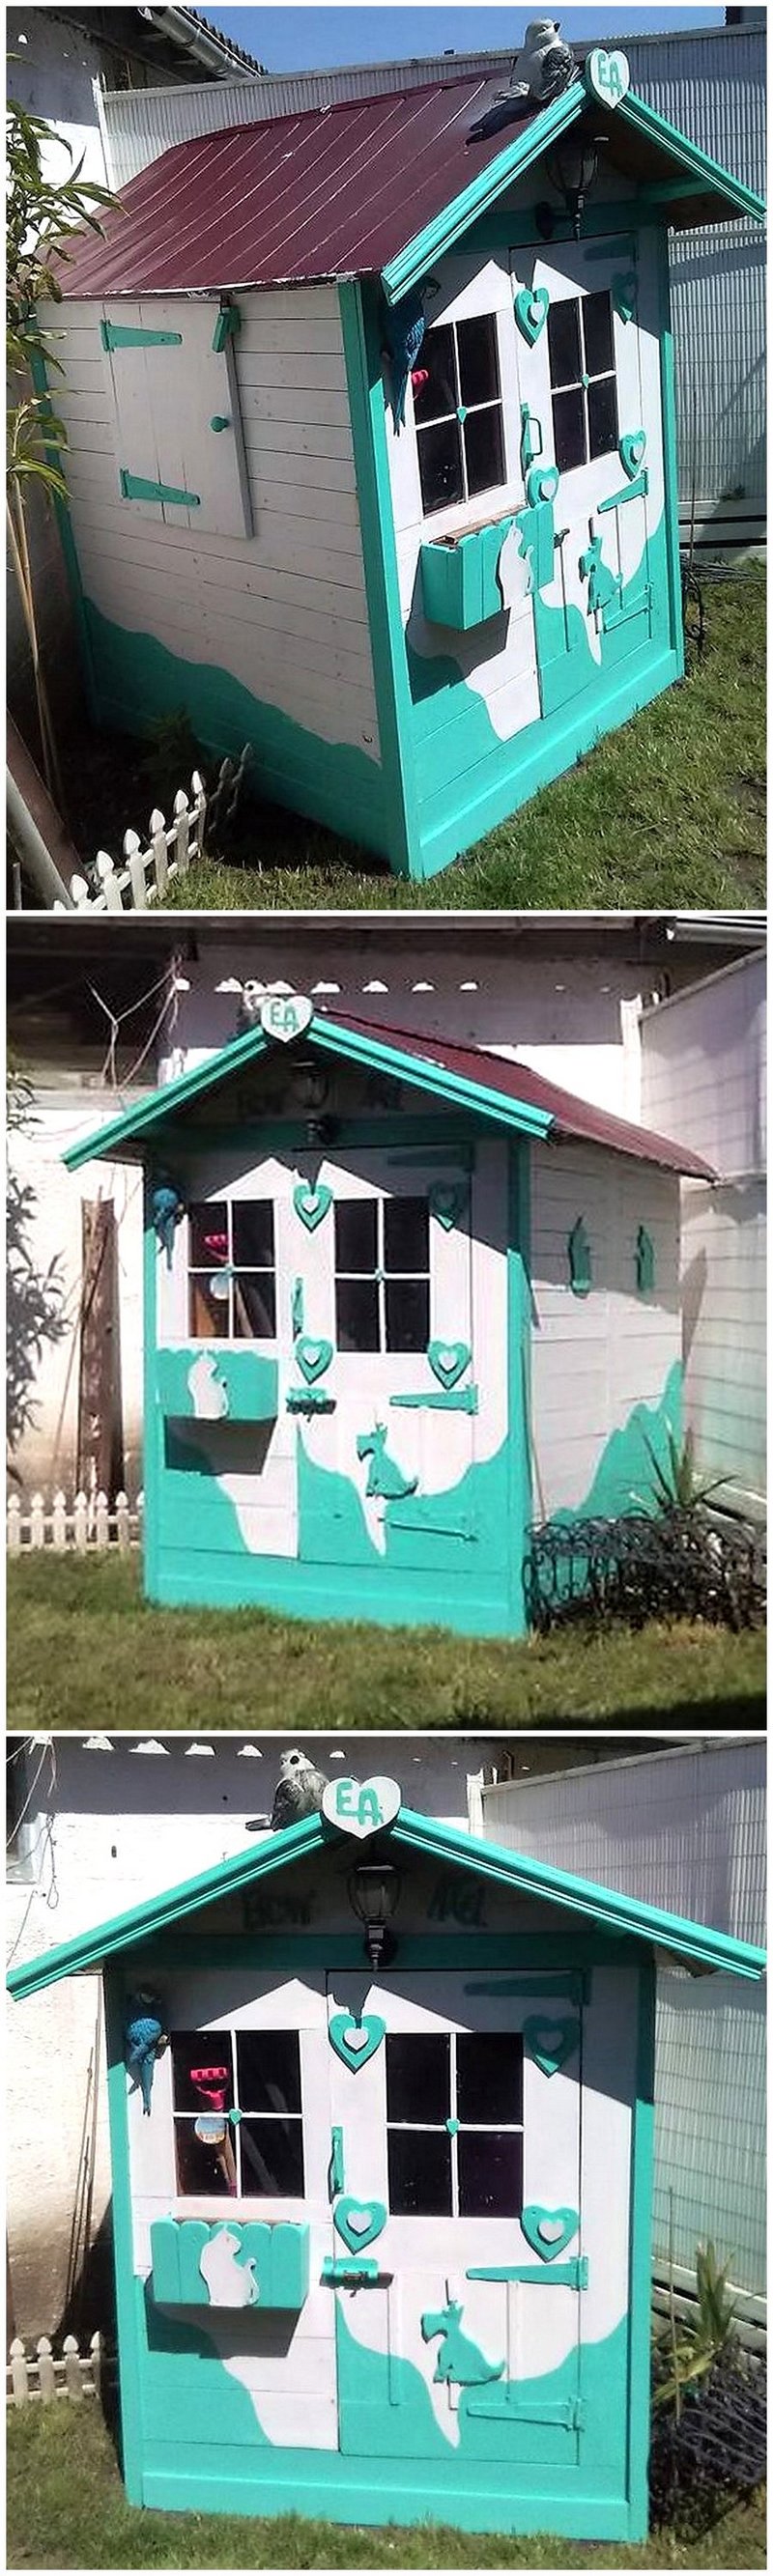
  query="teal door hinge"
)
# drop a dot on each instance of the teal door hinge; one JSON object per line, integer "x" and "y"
{"x": 560, "y": 2276}
{"x": 117, "y": 335}
{"x": 137, "y": 487}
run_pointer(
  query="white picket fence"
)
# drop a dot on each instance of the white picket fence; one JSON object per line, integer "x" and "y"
{"x": 42, "y": 2375}
{"x": 145, "y": 874}
{"x": 90, "y": 1522}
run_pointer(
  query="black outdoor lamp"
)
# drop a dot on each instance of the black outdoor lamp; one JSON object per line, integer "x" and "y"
{"x": 572, "y": 168}
{"x": 373, "y": 1892}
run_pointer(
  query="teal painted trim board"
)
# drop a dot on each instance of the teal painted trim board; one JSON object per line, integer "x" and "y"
{"x": 411, "y": 264}
{"x": 413, "y": 1832}
{"x": 640, "y": 2255}
{"x": 518, "y": 1373}
{"x": 354, "y": 1045}
{"x": 140, "y": 681}
{"x": 130, "y": 2376}
{"x": 152, "y": 1418}
{"x": 670, "y": 456}
{"x": 366, "y": 2492}
{"x": 67, "y": 541}
{"x": 362, "y": 360}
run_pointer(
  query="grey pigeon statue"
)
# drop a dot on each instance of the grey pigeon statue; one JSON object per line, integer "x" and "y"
{"x": 543, "y": 68}
{"x": 299, "y": 1791}
{"x": 545, "y": 65}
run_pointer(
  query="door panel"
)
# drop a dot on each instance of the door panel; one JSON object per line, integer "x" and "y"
{"x": 466, "y": 2352}
{"x": 592, "y": 379}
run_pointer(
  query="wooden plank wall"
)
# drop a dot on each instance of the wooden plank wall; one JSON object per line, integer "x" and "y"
{"x": 284, "y": 611}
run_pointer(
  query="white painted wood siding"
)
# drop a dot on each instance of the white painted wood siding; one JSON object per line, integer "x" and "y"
{"x": 685, "y": 1830}
{"x": 284, "y": 612}
{"x": 594, "y": 1358}
{"x": 704, "y": 1079}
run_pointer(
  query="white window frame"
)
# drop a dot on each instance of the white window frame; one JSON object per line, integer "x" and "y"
{"x": 383, "y": 1277}
{"x": 454, "y": 323}
{"x": 210, "y": 2042}
{"x": 199, "y": 1271}
{"x": 465, "y": 2128}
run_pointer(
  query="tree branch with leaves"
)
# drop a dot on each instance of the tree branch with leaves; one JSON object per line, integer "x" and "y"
{"x": 43, "y": 215}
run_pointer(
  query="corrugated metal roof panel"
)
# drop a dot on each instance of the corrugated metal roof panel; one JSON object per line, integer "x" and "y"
{"x": 350, "y": 190}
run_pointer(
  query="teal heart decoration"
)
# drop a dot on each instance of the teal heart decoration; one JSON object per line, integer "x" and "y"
{"x": 549, "y": 2231}
{"x": 632, "y": 446}
{"x": 311, "y": 1201}
{"x": 359, "y": 2222}
{"x": 448, "y": 1201}
{"x": 313, "y": 1357}
{"x": 548, "y": 2043}
{"x": 355, "y": 2041}
{"x": 448, "y": 1360}
{"x": 531, "y": 311}
{"x": 625, "y": 290}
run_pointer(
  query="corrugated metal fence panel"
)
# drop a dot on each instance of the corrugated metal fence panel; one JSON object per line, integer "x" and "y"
{"x": 715, "y": 92}
{"x": 710, "y": 84}
{"x": 141, "y": 123}
{"x": 686, "y": 1831}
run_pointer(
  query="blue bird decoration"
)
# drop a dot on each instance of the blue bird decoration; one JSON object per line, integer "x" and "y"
{"x": 144, "y": 2040}
{"x": 166, "y": 1209}
{"x": 404, "y": 328}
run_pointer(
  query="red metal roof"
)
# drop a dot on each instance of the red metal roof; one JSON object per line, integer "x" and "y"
{"x": 516, "y": 1081}
{"x": 334, "y": 192}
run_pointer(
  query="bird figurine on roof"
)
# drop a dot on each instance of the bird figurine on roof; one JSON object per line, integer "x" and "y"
{"x": 144, "y": 2040}
{"x": 544, "y": 68}
{"x": 299, "y": 1791}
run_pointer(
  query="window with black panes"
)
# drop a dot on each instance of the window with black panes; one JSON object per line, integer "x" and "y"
{"x": 257, "y": 2075}
{"x": 455, "y": 2124}
{"x": 581, "y": 355}
{"x": 457, "y": 403}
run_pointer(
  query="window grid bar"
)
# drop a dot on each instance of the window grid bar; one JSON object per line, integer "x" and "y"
{"x": 493, "y": 403}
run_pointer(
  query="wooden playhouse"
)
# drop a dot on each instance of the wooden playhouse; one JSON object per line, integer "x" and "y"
{"x": 381, "y": 2205}
{"x": 372, "y": 446}
{"x": 403, "y": 1300}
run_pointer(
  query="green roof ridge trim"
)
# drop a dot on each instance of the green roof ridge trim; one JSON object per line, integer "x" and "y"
{"x": 413, "y": 1832}
{"x": 410, "y": 264}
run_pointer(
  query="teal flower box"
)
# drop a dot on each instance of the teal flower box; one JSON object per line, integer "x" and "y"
{"x": 459, "y": 582}
{"x": 210, "y": 1382}
{"x": 258, "y": 2265}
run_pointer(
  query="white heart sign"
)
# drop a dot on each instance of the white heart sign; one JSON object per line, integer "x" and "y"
{"x": 285, "y": 1016}
{"x": 361, "y": 1808}
{"x": 608, "y": 76}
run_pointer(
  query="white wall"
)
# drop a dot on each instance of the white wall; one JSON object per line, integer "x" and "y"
{"x": 594, "y": 1358}
{"x": 104, "y": 1831}
{"x": 685, "y": 1830}
{"x": 46, "y": 1456}
{"x": 704, "y": 1078}
{"x": 571, "y": 1015}
{"x": 282, "y": 611}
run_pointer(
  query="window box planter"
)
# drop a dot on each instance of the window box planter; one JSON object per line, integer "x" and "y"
{"x": 267, "y": 2266}
{"x": 210, "y": 1382}
{"x": 459, "y": 576}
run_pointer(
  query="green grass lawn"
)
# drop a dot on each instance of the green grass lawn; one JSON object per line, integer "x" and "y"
{"x": 84, "y": 1649}
{"x": 668, "y": 812}
{"x": 66, "y": 2508}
